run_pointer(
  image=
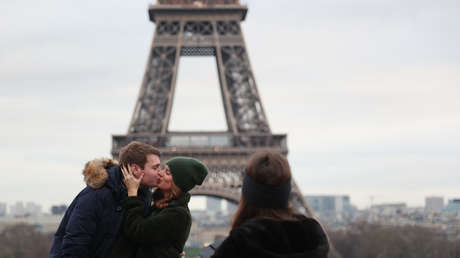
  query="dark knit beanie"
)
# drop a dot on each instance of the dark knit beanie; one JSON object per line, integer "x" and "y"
{"x": 187, "y": 172}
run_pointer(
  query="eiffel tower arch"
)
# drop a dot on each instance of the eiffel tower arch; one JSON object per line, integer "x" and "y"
{"x": 205, "y": 28}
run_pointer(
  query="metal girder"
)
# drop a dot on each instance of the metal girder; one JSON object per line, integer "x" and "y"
{"x": 210, "y": 30}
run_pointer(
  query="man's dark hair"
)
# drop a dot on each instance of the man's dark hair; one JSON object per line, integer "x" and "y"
{"x": 136, "y": 153}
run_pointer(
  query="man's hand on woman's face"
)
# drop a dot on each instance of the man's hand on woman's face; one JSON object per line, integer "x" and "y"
{"x": 131, "y": 182}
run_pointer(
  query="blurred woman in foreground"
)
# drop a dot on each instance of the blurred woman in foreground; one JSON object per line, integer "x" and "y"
{"x": 264, "y": 225}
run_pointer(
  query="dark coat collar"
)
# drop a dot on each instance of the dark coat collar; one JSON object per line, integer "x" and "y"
{"x": 118, "y": 188}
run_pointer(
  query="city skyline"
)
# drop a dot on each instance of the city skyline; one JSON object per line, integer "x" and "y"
{"x": 366, "y": 92}
{"x": 431, "y": 204}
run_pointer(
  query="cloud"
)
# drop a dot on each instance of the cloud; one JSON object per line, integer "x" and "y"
{"x": 366, "y": 91}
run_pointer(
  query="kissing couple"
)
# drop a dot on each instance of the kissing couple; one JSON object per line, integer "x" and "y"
{"x": 117, "y": 216}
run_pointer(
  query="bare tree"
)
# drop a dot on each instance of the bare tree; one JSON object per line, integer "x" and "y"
{"x": 365, "y": 240}
{"x": 24, "y": 241}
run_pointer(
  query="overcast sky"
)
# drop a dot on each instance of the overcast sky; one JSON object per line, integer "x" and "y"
{"x": 367, "y": 91}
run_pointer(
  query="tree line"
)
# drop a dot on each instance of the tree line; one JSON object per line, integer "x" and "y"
{"x": 24, "y": 241}
{"x": 370, "y": 240}
{"x": 359, "y": 240}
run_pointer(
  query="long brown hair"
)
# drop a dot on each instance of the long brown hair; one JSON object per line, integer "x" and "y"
{"x": 161, "y": 198}
{"x": 271, "y": 168}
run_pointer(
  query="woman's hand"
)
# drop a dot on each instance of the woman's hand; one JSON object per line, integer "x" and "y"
{"x": 131, "y": 182}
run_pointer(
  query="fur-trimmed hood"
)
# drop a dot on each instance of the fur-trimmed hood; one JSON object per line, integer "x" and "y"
{"x": 79, "y": 221}
{"x": 95, "y": 172}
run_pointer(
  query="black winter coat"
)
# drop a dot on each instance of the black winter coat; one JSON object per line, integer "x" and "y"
{"x": 94, "y": 217}
{"x": 162, "y": 234}
{"x": 270, "y": 238}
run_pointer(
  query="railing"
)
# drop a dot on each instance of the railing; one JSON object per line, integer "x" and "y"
{"x": 224, "y": 140}
{"x": 197, "y": 2}
{"x": 198, "y": 140}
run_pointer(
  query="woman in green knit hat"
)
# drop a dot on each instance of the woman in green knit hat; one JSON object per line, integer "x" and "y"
{"x": 164, "y": 232}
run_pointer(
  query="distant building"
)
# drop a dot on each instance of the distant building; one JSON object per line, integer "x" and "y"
{"x": 389, "y": 209}
{"x": 20, "y": 210}
{"x": 58, "y": 209}
{"x": 17, "y": 209}
{"x": 2, "y": 209}
{"x": 231, "y": 208}
{"x": 213, "y": 204}
{"x": 334, "y": 210}
{"x": 453, "y": 206}
{"x": 209, "y": 218}
{"x": 33, "y": 209}
{"x": 329, "y": 203}
{"x": 434, "y": 204}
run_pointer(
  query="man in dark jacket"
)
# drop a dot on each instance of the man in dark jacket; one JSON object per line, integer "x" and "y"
{"x": 91, "y": 226}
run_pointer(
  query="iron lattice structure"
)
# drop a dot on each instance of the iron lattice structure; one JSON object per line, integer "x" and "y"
{"x": 205, "y": 28}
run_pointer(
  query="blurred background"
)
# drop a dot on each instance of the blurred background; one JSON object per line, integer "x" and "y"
{"x": 365, "y": 90}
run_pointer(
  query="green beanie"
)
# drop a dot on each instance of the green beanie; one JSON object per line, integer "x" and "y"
{"x": 187, "y": 172}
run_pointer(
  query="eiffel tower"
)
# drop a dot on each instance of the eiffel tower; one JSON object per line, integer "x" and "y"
{"x": 205, "y": 28}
